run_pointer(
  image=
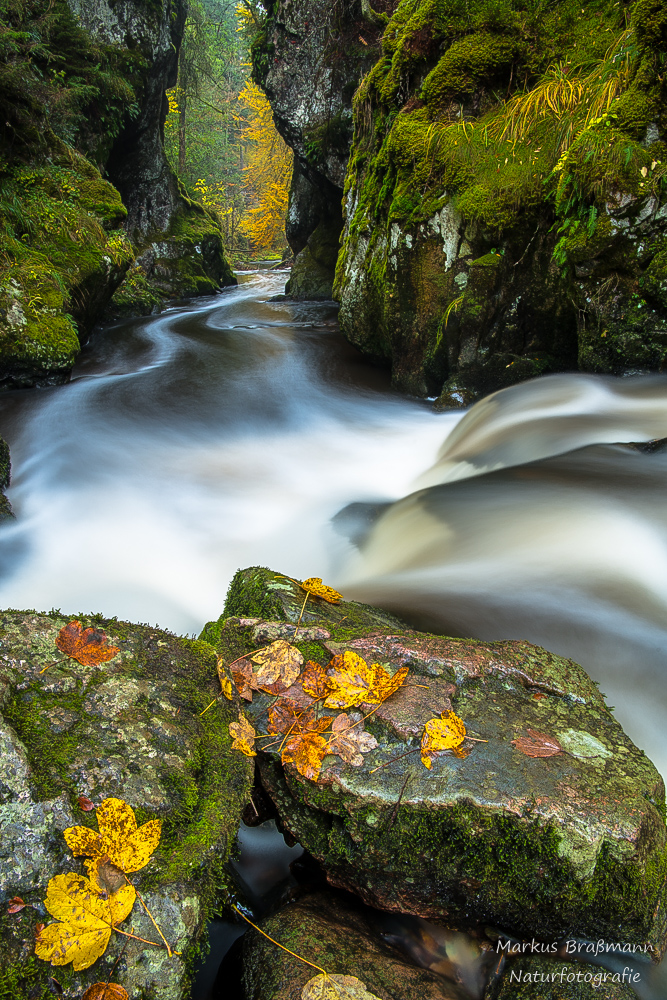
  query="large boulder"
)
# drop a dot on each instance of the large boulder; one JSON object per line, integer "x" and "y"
{"x": 130, "y": 729}
{"x": 572, "y": 843}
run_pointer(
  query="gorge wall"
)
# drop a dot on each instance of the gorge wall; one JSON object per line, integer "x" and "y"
{"x": 505, "y": 208}
{"x": 89, "y": 208}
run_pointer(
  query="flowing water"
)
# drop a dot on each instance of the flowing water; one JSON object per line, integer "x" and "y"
{"x": 231, "y": 432}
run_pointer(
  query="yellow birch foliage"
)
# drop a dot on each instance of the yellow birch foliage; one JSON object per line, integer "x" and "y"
{"x": 268, "y": 174}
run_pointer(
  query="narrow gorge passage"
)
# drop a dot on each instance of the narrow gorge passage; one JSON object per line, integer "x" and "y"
{"x": 231, "y": 431}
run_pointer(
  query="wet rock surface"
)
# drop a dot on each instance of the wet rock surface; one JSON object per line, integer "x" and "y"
{"x": 573, "y": 843}
{"x": 129, "y": 728}
{"x": 330, "y": 931}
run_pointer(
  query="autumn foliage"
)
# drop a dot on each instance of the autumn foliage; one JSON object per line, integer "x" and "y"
{"x": 89, "y": 646}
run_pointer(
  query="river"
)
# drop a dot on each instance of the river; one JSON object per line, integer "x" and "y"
{"x": 231, "y": 431}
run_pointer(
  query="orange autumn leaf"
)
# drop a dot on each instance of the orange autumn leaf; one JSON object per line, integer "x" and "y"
{"x": 278, "y": 662}
{"x": 16, "y": 904}
{"x": 126, "y": 845}
{"x": 315, "y": 587}
{"x": 538, "y": 744}
{"x": 315, "y": 682}
{"x": 106, "y": 991}
{"x": 306, "y": 751}
{"x": 88, "y": 646}
{"x": 244, "y": 736}
{"x": 357, "y": 684}
{"x": 445, "y": 733}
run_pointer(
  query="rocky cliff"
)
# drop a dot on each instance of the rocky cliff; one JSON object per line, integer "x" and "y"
{"x": 505, "y": 207}
{"x": 310, "y": 59}
{"x": 86, "y": 195}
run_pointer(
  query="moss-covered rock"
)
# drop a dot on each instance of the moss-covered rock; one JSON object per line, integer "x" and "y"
{"x": 5, "y": 475}
{"x": 313, "y": 270}
{"x": 330, "y": 931}
{"x": 67, "y": 234}
{"x": 570, "y": 844}
{"x": 467, "y": 153}
{"x": 129, "y": 728}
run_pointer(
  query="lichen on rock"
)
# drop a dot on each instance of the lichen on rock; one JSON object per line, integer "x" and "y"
{"x": 129, "y": 728}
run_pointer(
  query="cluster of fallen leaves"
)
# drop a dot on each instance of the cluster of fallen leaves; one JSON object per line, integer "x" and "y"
{"x": 87, "y": 909}
{"x": 299, "y": 732}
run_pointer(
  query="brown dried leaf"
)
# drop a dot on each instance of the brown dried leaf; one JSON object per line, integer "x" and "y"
{"x": 358, "y": 684}
{"x": 315, "y": 682}
{"x": 306, "y": 751}
{"x": 85, "y": 804}
{"x": 106, "y": 877}
{"x": 279, "y": 661}
{"x": 106, "y": 991}
{"x": 286, "y": 716}
{"x": 244, "y": 679}
{"x": 16, "y": 904}
{"x": 349, "y": 743}
{"x": 538, "y": 744}
{"x": 88, "y": 646}
{"x": 315, "y": 587}
{"x": 244, "y": 736}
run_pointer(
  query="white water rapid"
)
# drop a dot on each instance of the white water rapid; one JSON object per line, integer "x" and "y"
{"x": 230, "y": 432}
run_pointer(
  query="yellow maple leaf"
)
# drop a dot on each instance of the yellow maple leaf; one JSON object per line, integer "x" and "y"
{"x": 315, "y": 587}
{"x": 84, "y": 920}
{"x": 445, "y": 733}
{"x": 356, "y": 683}
{"x": 306, "y": 751}
{"x": 244, "y": 736}
{"x": 128, "y": 847}
{"x": 278, "y": 662}
{"x": 331, "y": 987}
{"x": 225, "y": 683}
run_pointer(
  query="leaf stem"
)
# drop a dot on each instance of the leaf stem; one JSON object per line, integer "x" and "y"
{"x": 156, "y": 944}
{"x": 400, "y": 757}
{"x": 300, "y": 616}
{"x": 292, "y": 953}
{"x": 141, "y": 900}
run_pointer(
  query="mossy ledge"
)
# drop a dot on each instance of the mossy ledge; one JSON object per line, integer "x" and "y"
{"x": 129, "y": 728}
{"x": 574, "y": 844}
{"x": 86, "y": 193}
{"x": 505, "y": 198}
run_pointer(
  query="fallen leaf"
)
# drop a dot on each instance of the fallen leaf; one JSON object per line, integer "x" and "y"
{"x": 106, "y": 991}
{"x": 445, "y": 733}
{"x": 225, "y": 683}
{"x": 88, "y": 646}
{"x": 348, "y": 743}
{"x": 85, "y": 804}
{"x": 537, "y": 744}
{"x": 16, "y": 904}
{"x": 244, "y": 679}
{"x": 315, "y": 587}
{"x": 315, "y": 682}
{"x": 39, "y": 927}
{"x": 336, "y": 988}
{"x": 278, "y": 662}
{"x": 357, "y": 684}
{"x": 244, "y": 736}
{"x": 84, "y": 921}
{"x": 105, "y": 876}
{"x": 306, "y": 751}
{"x": 286, "y": 716}
{"x": 127, "y": 847}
